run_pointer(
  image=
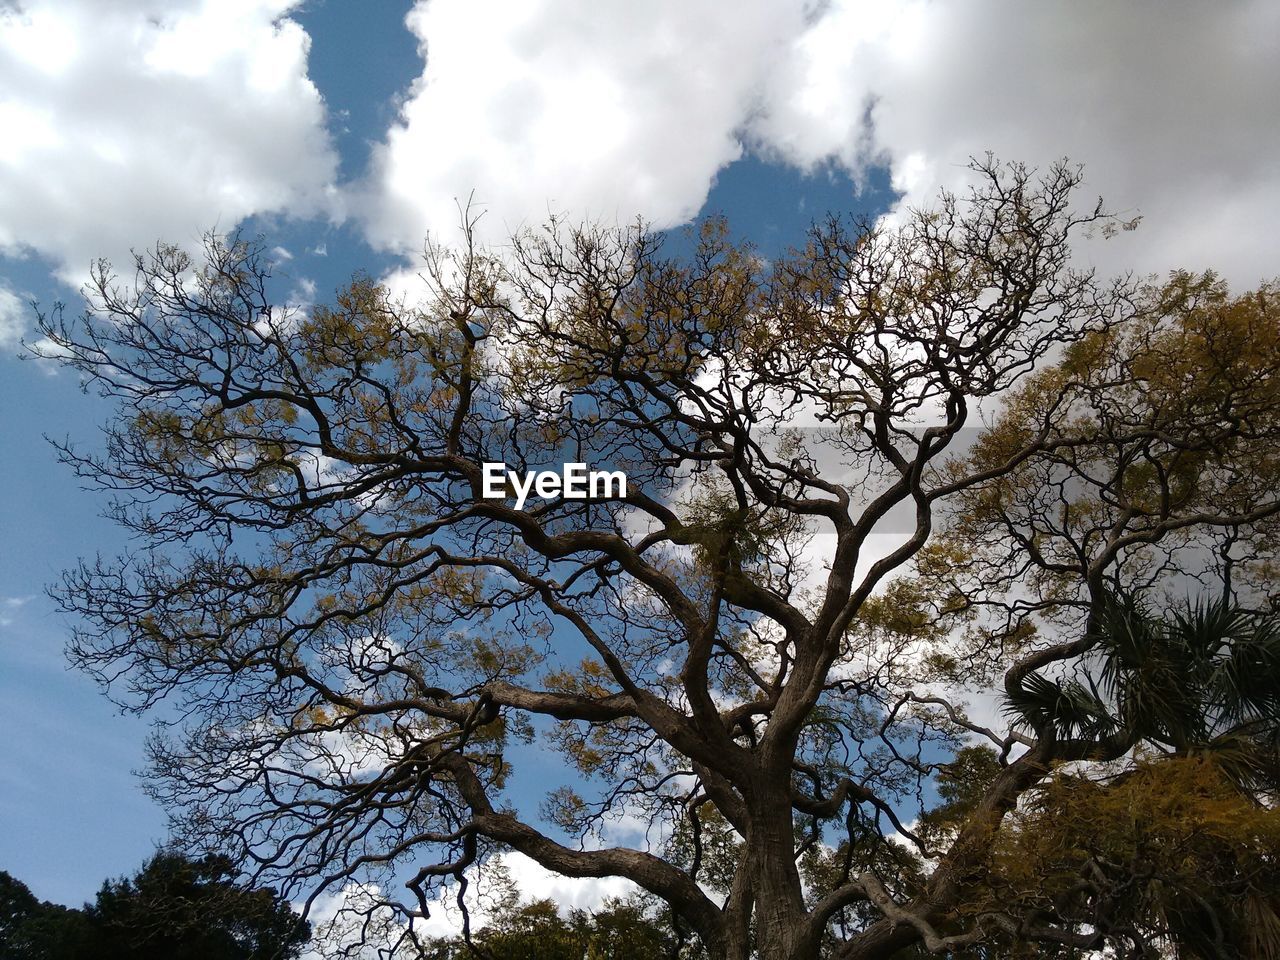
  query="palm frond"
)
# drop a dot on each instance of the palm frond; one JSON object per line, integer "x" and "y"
{"x": 1205, "y": 676}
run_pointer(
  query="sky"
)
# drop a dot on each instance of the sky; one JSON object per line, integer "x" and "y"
{"x": 344, "y": 133}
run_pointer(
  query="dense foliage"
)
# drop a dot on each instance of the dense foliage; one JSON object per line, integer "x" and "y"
{"x": 174, "y": 908}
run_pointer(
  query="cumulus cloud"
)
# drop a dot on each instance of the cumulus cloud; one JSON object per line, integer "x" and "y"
{"x": 570, "y": 893}
{"x": 1171, "y": 106}
{"x": 138, "y": 119}
{"x": 135, "y": 120}
{"x": 597, "y": 110}
{"x": 621, "y": 109}
{"x": 339, "y": 917}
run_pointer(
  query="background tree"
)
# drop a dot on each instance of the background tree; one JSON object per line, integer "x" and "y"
{"x": 33, "y": 929}
{"x": 618, "y": 930}
{"x": 774, "y": 632}
{"x": 173, "y": 908}
{"x": 183, "y": 909}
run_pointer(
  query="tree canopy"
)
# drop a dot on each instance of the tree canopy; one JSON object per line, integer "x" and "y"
{"x": 31, "y": 929}
{"x": 174, "y": 908}
{"x": 536, "y": 930}
{"x": 878, "y": 491}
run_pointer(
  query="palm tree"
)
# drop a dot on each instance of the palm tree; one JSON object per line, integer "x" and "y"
{"x": 1205, "y": 678}
{"x": 1195, "y": 858}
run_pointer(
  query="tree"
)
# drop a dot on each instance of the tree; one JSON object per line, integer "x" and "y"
{"x": 17, "y": 906}
{"x": 1175, "y": 847}
{"x": 619, "y": 930}
{"x": 356, "y": 634}
{"x": 175, "y": 907}
{"x": 31, "y": 929}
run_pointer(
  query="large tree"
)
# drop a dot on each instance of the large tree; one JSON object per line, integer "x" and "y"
{"x": 905, "y": 467}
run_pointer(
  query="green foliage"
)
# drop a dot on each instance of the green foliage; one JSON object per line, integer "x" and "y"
{"x": 31, "y": 929}
{"x": 961, "y": 785}
{"x": 725, "y": 534}
{"x": 1203, "y": 678}
{"x": 1169, "y": 849}
{"x": 174, "y": 908}
{"x": 1181, "y": 846}
{"x": 705, "y": 844}
{"x": 619, "y": 930}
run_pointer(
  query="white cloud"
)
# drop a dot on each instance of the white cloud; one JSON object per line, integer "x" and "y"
{"x": 1171, "y": 105}
{"x": 303, "y": 295}
{"x": 12, "y": 322}
{"x": 533, "y": 882}
{"x": 139, "y": 119}
{"x": 135, "y": 120}
{"x": 9, "y": 607}
{"x": 609, "y": 110}
{"x": 597, "y": 110}
{"x": 338, "y": 917}
{"x": 583, "y": 893}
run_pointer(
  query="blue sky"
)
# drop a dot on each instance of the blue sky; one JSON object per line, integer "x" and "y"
{"x": 344, "y": 132}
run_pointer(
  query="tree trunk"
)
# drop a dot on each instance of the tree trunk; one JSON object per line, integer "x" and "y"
{"x": 780, "y": 913}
